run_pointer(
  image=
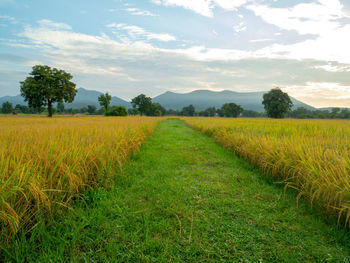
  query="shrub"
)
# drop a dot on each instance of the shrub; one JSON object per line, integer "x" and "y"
{"x": 117, "y": 111}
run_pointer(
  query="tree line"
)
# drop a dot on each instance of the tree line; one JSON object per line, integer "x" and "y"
{"x": 48, "y": 87}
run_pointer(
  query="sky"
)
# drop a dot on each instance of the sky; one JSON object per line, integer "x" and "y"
{"x": 128, "y": 47}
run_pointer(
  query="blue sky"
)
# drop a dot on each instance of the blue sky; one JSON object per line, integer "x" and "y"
{"x": 152, "y": 46}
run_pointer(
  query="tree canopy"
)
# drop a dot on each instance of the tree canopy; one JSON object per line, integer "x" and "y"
{"x": 277, "y": 103}
{"x": 145, "y": 106}
{"x": 208, "y": 112}
{"x": 188, "y": 111}
{"x": 46, "y": 86}
{"x": 231, "y": 110}
{"x": 6, "y": 107}
{"x": 142, "y": 103}
{"x": 117, "y": 111}
{"x": 105, "y": 101}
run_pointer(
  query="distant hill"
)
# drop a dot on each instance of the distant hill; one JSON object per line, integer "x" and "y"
{"x": 13, "y": 99}
{"x": 83, "y": 98}
{"x": 202, "y": 99}
{"x": 86, "y": 97}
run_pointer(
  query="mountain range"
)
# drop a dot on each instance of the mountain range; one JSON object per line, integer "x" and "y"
{"x": 83, "y": 98}
{"x": 200, "y": 99}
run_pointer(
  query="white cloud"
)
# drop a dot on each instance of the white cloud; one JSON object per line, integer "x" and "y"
{"x": 333, "y": 46}
{"x": 260, "y": 40}
{"x": 229, "y": 73}
{"x": 201, "y": 53}
{"x": 317, "y": 18}
{"x": 135, "y": 32}
{"x": 321, "y": 94}
{"x": 5, "y": 20}
{"x": 202, "y": 7}
{"x": 322, "y": 18}
{"x": 230, "y": 4}
{"x": 333, "y": 68}
{"x": 6, "y": 17}
{"x": 53, "y": 25}
{"x": 240, "y": 27}
{"x": 140, "y": 12}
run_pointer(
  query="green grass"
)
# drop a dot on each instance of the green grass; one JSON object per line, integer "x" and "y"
{"x": 184, "y": 198}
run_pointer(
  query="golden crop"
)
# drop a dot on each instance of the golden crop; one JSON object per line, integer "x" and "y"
{"x": 312, "y": 156}
{"x": 45, "y": 162}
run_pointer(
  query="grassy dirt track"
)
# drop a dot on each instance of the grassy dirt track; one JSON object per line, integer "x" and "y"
{"x": 184, "y": 198}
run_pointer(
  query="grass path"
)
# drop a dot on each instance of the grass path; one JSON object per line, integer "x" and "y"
{"x": 184, "y": 198}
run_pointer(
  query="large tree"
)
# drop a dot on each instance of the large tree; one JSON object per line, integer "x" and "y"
{"x": 105, "y": 100}
{"x": 7, "y": 107}
{"x": 117, "y": 111}
{"x": 46, "y": 86}
{"x": 231, "y": 110}
{"x": 142, "y": 103}
{"x": 188, "y": 111}
{"x": 277, "y": 103}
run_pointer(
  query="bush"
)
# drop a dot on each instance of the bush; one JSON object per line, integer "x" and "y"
{"x": 117, "y": 111}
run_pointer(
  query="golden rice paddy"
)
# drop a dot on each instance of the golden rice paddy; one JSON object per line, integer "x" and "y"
{"x": 46, "y": 162}
{"x": 312, "y": 156}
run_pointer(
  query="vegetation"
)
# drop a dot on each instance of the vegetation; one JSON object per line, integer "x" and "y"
{"x": 6, "y": 107}
{"x": 276, "y": 103}
{"x": 230, "y": 110}
{"x": 209, "y": 112}
{"x": 47, "y": 86}
{"x": 91, "y": 109}
{"x": 188, "y": 111}
{"x": 141, "y": 103}
{"x": 183, "y": 198}
{"x": 335, "y": 113}
{"x": 45, "y": 163}
{"x": 105, "y": 101}
{"x": 117, "y": 111}
{"x": 145, "y": 106}
{"x": 310, "y": 156}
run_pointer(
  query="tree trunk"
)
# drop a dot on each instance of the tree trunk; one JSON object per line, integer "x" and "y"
{"x": 49, "y": 108}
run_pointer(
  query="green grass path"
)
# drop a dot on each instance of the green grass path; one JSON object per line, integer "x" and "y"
{"x": 184, "y": 198}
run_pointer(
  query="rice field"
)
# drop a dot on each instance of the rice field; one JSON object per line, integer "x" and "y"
{"x": 45, "y": 163}
{"x": 312, "y": 156}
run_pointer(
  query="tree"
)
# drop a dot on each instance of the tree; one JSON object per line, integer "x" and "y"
{"x": 91, "y": 109}
{"x": 154, "y": 109}
{"x": 46, "y": 86}
{"x": 160, "y": 109}
{"x": 117, "y": 111}
{"x": 277, "y": 103}
{"x": 188, "y": 111}
{"x": 142, "y": 103}
{"x": 105, "y": 100}
{"x": 231, "y": 110}
{"x": 209, "y": 112}
{"x": 220, "y": 112}
{"x": 7, "y": 107}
